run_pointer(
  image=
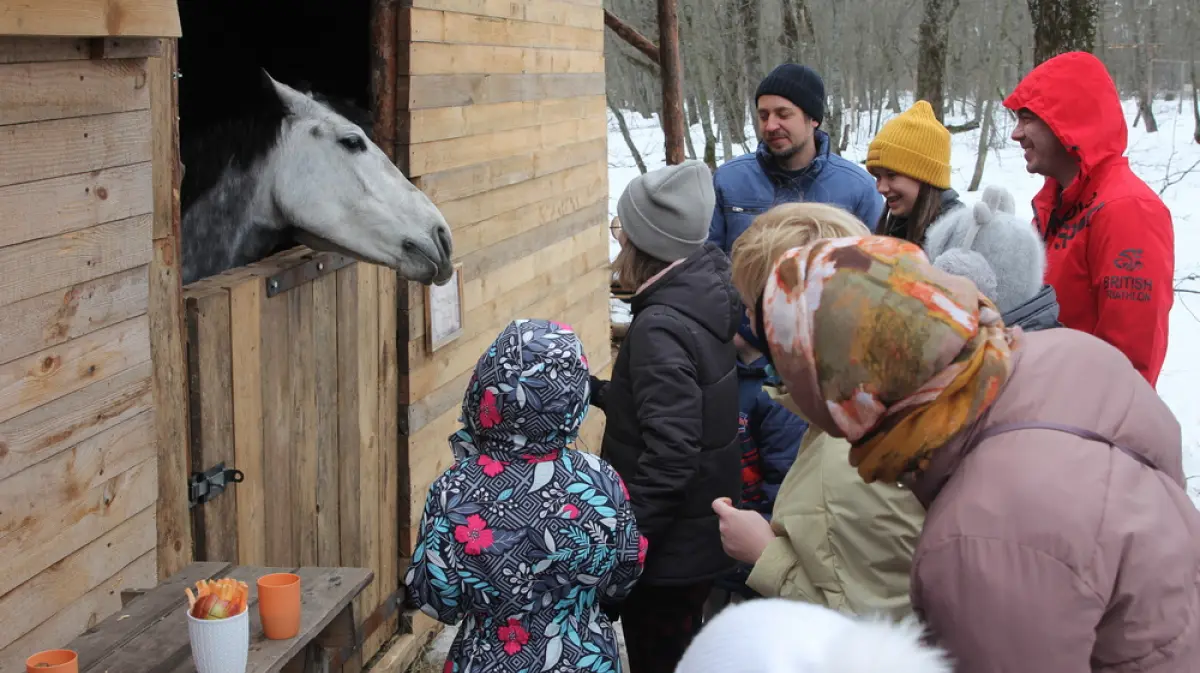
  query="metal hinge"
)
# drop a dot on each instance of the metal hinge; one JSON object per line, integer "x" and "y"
{"x": 204, "y": 486}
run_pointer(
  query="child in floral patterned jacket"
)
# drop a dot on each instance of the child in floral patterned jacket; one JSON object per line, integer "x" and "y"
{"x": 523, "y": 538}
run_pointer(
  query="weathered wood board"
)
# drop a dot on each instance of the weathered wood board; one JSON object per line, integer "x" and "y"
{"x": 81, "y": 195}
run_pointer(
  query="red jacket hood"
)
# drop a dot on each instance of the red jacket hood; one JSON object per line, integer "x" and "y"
{"x": 1074, "y": 94}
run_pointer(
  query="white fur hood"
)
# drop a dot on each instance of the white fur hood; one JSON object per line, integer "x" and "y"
{"x": 780, "y": 636}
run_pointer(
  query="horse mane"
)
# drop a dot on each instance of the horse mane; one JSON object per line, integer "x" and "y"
{"x": 238, "y": 141}
{"x": 242, "y": 139}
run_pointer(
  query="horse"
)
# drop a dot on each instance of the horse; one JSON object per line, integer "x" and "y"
{"x": 295, "y": 169}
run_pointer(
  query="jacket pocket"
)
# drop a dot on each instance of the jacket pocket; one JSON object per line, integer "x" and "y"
{"x": 738, "y": 218}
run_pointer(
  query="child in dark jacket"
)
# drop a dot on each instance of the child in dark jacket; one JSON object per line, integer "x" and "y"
{"x": 770, "y": 437}
{"x": 671, "y": 416}
{"x": 523, "y": 538}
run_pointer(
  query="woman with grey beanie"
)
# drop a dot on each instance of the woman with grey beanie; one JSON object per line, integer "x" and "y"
{"x": 671, "y": 406}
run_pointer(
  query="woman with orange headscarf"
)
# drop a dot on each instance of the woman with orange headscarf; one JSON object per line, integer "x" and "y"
{"x": 1058, "y": 536}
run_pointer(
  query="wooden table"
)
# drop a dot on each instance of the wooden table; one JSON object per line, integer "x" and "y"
{"x": 150, "y": 635}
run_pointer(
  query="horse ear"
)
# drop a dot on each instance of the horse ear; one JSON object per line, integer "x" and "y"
{"x": 290, "y": 98}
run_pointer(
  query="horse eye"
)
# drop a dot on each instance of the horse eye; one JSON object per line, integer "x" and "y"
{"x": 354, "y": 143}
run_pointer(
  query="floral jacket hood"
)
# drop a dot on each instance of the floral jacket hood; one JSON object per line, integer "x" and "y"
{"x": 523, "y": 537}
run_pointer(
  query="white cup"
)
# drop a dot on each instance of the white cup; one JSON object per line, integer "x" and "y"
{"x": 220, "y": 645}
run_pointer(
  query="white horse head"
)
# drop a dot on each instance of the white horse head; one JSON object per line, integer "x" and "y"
{"x": 343, "y": 194}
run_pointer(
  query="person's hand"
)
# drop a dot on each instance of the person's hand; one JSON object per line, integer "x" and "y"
{"x": 744, "y": 533}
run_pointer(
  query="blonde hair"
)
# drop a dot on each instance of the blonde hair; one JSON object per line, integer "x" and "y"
{"x": 786, "y": 226}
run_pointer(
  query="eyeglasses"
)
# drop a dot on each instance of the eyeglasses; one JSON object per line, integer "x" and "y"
{"x": 615, "y": 228}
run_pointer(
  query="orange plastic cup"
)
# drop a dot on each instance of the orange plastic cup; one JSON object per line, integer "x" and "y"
{"x": 53, "y": 661}
{"x": 279, "y": 605}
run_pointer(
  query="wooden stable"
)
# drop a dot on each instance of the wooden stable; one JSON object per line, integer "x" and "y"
{"x": 117, "y": 385}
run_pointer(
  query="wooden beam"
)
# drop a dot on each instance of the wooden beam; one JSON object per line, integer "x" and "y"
{"x": 384, "y": 75}
{"x": 629, "y": 34}
{"x": 91, "y": 18}
{"x": 166, "y": 322}
{"x": 122, "y": 47}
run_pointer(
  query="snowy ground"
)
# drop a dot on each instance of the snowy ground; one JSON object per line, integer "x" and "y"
{"x": 1168, "y": 157}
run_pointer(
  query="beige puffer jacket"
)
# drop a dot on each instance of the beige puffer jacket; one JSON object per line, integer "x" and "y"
{"x": 841, "y": 543}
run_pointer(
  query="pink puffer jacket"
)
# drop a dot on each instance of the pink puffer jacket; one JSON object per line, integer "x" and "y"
{"x": 1045, "y": 552}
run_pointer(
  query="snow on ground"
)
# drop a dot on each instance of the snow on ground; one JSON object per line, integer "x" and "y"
{"x": 1168, "y": 158}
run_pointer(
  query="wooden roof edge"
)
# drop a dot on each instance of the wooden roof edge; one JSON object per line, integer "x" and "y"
{"x": 90, "y": 18}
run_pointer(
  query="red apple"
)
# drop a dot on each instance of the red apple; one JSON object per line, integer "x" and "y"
{"x": 212, "y": 607}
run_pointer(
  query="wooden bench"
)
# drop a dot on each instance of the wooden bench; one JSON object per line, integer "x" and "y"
{"x": 150, "y": 634}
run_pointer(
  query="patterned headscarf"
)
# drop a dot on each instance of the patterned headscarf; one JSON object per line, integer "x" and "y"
{"x": 529, "y": 393}
{"x": 878, "y": 346}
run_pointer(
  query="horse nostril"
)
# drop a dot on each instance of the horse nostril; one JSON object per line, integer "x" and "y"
{"x": 445, "y": 245}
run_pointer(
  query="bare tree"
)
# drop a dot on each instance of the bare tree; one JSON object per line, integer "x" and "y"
{"x": 1060, "y": 26}
{"x": 931, "y": 58}
{"x": 1195, "y": 87}
{"x": 1145, "y": 29}
{"x": 874, "y": 55}
{"x": 987, "y": 124}
{"x": 624, "y": 128}
{"x": 666, "y": 55}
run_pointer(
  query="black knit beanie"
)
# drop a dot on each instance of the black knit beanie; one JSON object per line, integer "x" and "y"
{"x": 799, "y": 84}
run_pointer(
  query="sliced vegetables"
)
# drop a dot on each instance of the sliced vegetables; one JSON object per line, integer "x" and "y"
{"x": 217, "y": 599}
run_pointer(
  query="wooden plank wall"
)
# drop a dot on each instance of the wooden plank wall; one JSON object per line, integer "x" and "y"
{"x": 502, "y": 122}
{"x": 298, "y": 391}
{"x": 78, "y": 460}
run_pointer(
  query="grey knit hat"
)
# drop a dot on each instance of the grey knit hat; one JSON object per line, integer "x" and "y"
{"x": 666, "y": 212}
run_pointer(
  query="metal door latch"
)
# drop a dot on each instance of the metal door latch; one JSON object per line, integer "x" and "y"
{"x": 204, "y": 486}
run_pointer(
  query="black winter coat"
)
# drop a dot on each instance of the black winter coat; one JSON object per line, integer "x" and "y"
{"x": 671, "y": 413}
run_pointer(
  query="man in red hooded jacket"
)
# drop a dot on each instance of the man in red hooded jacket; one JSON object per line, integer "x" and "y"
{"x": 1110, "y": 243}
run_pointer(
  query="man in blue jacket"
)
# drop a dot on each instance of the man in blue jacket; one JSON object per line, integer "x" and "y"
{"x": 793, "y": 161}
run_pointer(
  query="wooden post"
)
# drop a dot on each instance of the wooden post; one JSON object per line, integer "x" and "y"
{"x": 672, "y": 80}
{"x": 383, "y": 75}
{"x": 166, "y": 323}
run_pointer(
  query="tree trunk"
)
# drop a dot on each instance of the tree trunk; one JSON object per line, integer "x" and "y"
{"x": 789, "y": 38}
{"x": 1195, "y": 88}
{"x": 726, "y": 140}
{"x": 687, "y": 140}
{"x": 985, "y": 136}
{"x": 749, "y": 12}
{"x": 704, "y": 112}
{"x": 1145, "y": 58}
{"x": 672, "y": 80}
{"x": 1060, "y": 26}
{"x": 637, "y": 156}
{"x": 931, "y": 56}
{"x": 833, "y": 122}
{"x": 693, "y": 117}
{"x": 732, "y": 86}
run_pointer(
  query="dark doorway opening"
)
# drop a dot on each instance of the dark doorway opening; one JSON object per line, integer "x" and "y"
{"x": 324, "y": 45}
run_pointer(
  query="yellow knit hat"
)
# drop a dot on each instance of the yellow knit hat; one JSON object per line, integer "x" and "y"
{"x": 914, "y": 143}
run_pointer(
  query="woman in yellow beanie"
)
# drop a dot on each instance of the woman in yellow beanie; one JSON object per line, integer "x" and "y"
{"x": 910, "y": 159}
